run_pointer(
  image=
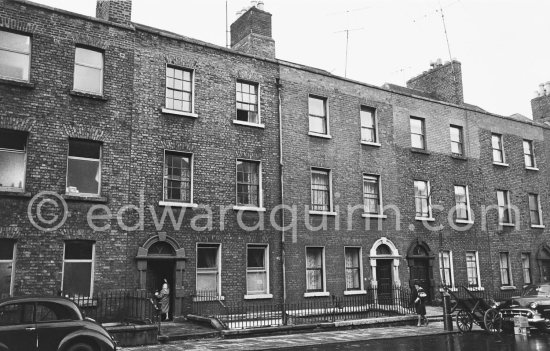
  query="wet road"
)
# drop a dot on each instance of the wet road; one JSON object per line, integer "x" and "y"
{"x": 474, "y": 341}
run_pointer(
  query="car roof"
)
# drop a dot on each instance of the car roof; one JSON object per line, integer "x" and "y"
{"x": 56, "y": 299}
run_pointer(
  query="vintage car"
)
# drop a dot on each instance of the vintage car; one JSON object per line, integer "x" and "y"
{"x": 534, "y": 303}
{"x": 49, "y": 324}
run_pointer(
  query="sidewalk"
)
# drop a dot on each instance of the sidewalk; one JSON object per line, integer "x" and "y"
{"x": 293, "y": 340}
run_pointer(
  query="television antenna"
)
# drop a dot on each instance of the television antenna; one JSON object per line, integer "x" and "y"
{"x": 347, "y": 46}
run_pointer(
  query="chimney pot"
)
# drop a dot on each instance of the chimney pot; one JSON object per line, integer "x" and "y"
{"x": 261, "y": 5}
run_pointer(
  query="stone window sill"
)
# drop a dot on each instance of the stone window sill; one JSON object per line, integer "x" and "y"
{"x": 179, "y": 113}
{"x": 258, "y": 296}
{"x": 317, "y": 294}
{"x": 84, "y": 198}
{"x": 507, "y": 224}
{"x": 508, "y": 287}
{"x": 318, "y": 135}
{"x": 323, "y": 213}
{"x": 17, "y": 83}
{"x": 249, "y": 124}
{"x": 176, "y": 204}
{"x": 249, "y": 208}
{"x": 8, "y": 193}
{"x": 459, "y": 157}
{"x": 87, "y": 95}
{"x": 476, "y": 288}
{"x": 531, "y": 168}
{"x": 370, "y": 215}
{"x": 464, "y": 221}
{"x": 500, "y": 164}
{"x": 538, "y": 226}
{"x": 355, "y": 292}
{"x": 420, "y": 151}
{"x": 370, "y": 143}
{"x": 425, "y": 219}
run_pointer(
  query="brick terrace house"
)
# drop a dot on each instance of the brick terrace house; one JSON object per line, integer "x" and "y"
{"x": 105, "y": 113}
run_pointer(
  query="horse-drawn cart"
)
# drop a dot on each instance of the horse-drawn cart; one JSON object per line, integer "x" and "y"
{"x": 472, "y": 309}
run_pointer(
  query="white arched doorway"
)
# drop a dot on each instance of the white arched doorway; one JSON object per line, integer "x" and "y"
{"x": 384, "y": 261}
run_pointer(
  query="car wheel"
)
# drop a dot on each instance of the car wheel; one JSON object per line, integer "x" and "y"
{"x": 81, "y": 347}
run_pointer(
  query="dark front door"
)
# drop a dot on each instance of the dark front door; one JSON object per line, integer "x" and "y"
{"x": 384, "y": 280}
{"x": 420, "y": 274}
{"x": 545, "y": 271}
{"x": 157, "y": 271}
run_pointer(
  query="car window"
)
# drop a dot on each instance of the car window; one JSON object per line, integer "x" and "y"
{"x": 16, "y": 313}
{"x": 51, "y": 311}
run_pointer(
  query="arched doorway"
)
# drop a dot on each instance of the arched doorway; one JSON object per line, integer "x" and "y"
{"x": 420, "y": 260}
{"x": 384, "y": 261}
{"x": 161, "y": 258}
{"x": 543, "y": 261}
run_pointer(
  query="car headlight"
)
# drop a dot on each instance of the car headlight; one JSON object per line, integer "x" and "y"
{"x": 533, "y": 305}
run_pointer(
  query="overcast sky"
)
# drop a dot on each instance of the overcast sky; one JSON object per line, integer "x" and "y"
{"x": 503, "y": 45}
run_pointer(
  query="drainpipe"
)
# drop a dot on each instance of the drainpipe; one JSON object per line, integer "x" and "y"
{"x": 281, "y": 173}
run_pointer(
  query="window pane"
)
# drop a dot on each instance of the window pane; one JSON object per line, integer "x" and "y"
{"x": 16, "y": 314}
{"x": 5, "y": 278}
{"x": 256, "y": 282}
{"x": 526, "y": 147}
{"x": 83, "y": 176}
{"x": 78, "y": 250}
{"x": 77, "y": 278}
{"x": 417, "y": 141}
{"x": 367, "y": 118}
{"x": 314, "y": 280}
{"x": 207, "y": 282}
{"x": 12, "y": 170}
{"x": 15, "y": 42}
{"x": 87, "y": 79}
{"x": 256, "y": 257}
{"x": 456, "y": 134}
{"x": 89, "y": 57}
{"x": 14, "y": 65}
{"x": 207, "y": 257}
{"x": 497, "y": 156}
{"x": 317, "y": 125}
{"x": 85, "y": 149}
{"x": 495, "y": 140}
{"x": 316, "y": 106}
{"x": 13, "y": 140}
{"x": 416, "y": 126}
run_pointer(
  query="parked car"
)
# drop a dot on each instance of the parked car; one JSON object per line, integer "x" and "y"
{"x": 534, "y": 303}
{"x": 49, "y": 324}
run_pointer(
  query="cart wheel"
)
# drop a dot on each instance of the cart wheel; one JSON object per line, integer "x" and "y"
{"x": 464, "y": 321}
{"x": 492, "y": 320}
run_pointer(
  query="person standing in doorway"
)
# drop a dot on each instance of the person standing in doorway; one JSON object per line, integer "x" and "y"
{"x": 419, "y": 299}
{"x": 163, "y": 297}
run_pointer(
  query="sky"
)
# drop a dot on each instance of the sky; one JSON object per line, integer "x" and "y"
{"x": 502, "y": 45}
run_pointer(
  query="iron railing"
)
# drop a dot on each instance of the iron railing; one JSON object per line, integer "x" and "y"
{"x": 372, "y": 303}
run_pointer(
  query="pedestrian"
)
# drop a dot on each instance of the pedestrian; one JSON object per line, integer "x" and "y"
{"x": 163, "y": 297}
{"x": 419, "y": 299}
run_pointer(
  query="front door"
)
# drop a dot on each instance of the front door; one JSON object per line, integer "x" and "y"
{"x": 420, "y": 274}
{"x": 545, "y": 271}
{"x": 384, "y": 281}
{"x": 157, "y": 271}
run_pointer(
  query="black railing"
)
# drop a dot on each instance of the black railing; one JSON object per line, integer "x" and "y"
{"x": 373, "y": 303}
{"x": 117, "y": 306}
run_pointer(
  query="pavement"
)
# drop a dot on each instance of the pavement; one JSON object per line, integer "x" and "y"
{"x": 190, "y": 336}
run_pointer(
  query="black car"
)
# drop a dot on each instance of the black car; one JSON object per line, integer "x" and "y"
{"x": 534, "y": 303}
{"x": 49, "y": 324}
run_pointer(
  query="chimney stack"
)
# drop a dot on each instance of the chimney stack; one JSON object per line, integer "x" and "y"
{"x": 443, "y": 81}
{"x": 541, "y": 103}
{"x": 117, "y": 11}
{"x": 251, "y": 32}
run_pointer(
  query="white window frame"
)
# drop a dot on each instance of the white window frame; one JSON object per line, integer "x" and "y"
{"x": 92, "y": 260}
{"x": 501, "y": 139}
{"x": 380, "y": 212}
{"x": 100, "y": 166}
{"x": 267, "y": 294}
{"x": 175, "y": 203}
{"x": 528, "y": 267}
{"x": 12, "y": 261}
{"x": 327, "y": 117}
{"x": 169, "y": 111}
{"x": 22, "y": 189}
{"x": 101, "y": 80}
{"x": 374, "y": 112}
{"x": 507, "y": 208}
{"x": 258, "y": 105}
{"x": 478, "y": 276}
{"x": 508, "y": 269}
{"x": 361, "y": 290}
{"x": 324, "y": 274}
{"x": 451, "y": 268}
{"x": 218, "y": 272}
{"x": 539, "y": 210}
{"x": 429, "y": 190}
{"x": 29, "y": 54}
{"x": 468, "y": 208}
{"x": 260, "y": 207}
{"x": 423, "y": 121}
{"x": 461, "y": 142}
{"x": 531, "y": 155}
{"x": 330, "y": 212}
